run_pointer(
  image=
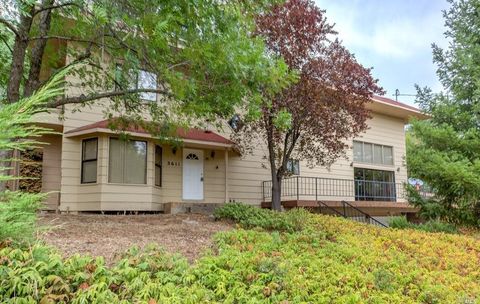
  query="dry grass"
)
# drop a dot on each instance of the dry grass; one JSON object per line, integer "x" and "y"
{"x": 110, "y": 235}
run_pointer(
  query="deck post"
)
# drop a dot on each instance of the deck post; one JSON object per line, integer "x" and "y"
{"x": 298, "y": 186}
{"x": 316, "y": 190}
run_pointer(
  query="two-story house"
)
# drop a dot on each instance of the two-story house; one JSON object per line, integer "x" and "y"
{"x": 90, "y": 168}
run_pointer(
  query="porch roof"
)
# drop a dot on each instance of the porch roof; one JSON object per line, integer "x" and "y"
{"x": 192, "y": 135}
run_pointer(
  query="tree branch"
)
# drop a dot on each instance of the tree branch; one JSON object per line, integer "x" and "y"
{"x": 9, "y": 26}
{"x": 86, "y": 98}
{"x": 51, "y": 7}
{"x": 6, "y": 44}
{"x": 64, "y": 38}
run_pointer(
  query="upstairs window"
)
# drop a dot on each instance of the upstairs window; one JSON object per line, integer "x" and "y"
{"x": 147, "y": 80}
{"x": 140, "y": 79}
{"x": 372, "y": 153}
{"x": 89, "y": 161}
{"x": 293, "y": 166}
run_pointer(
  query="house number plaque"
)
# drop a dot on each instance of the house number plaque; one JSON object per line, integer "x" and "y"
{"x": 173, "y": 163}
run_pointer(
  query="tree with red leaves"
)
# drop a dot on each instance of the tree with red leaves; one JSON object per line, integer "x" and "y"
{"x": 312, "y": 119}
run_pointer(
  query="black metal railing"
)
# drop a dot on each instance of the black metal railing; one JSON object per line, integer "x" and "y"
{"x": 350, "y": 212}
{"x": 303, "y": 187}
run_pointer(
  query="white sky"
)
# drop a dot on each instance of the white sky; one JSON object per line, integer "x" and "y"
{"x": 392, "y": 36}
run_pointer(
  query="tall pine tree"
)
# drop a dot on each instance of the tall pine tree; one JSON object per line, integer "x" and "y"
{"x": 444, "y": 151}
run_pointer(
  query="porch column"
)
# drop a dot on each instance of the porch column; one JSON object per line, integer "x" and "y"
{"x": 226, "y": 175}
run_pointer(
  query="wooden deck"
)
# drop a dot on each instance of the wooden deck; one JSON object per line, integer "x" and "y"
{"x": 374, "y": 208}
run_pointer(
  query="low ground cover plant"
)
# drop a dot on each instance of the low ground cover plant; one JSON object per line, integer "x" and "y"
{"x": 400, "y": 222}
{"x": 328, "y": 260}
{"x": 250, "y": 216}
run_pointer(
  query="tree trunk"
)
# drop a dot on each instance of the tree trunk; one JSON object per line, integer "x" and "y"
{"x": 14, "y": 82}
{"x": 277, "y": 193}
{"x": 18, "y": 59}
{"x": 36, "y": 54}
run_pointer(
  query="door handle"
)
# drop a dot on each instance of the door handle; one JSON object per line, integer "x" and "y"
{"x": 201, "y": 179}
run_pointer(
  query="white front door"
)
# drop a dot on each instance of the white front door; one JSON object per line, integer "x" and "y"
{"x": 192, "y": 174}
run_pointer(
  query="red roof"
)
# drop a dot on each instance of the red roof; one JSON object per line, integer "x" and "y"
{"x": 190, "y": 134}
{"x": 395, "y": 103}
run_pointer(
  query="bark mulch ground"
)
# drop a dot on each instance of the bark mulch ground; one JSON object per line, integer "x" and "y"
{"x": 111, "y": 235}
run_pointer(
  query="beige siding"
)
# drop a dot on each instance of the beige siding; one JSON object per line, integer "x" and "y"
{"x": 244, "y": 173}
{"x": 51, "y": 171}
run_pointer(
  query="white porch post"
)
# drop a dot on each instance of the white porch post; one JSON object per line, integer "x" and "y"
{"x": 226, "y": 175}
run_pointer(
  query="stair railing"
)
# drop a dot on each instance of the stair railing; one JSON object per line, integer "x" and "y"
{"x": 351, "y": 212}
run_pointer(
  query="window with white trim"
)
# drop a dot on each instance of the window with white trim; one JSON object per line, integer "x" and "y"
{"x": 369, "y": 153}
{"x": 140, "y": 79}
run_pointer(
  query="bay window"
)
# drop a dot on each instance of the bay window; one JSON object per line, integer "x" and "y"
{"x": 127, "y": 161}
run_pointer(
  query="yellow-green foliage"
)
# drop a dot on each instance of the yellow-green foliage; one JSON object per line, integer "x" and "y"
{"x": 331, "y": 260}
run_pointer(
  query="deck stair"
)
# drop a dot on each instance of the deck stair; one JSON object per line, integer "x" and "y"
{"x": 349, "y": 211}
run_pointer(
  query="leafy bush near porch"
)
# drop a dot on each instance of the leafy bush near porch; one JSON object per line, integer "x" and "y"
{"x": 400, "y": 222}
{"x": 249, "y": 217}
{"x": 18, "y": 216}
{"x": 330, "y": 260}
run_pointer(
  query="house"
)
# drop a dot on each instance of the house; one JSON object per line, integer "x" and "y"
{"x": 87, "y": 167}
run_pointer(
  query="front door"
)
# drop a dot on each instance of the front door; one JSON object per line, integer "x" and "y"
{"x": 192, "y": 174}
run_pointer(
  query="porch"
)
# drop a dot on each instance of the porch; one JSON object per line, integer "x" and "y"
{"x": 373, "y": 197}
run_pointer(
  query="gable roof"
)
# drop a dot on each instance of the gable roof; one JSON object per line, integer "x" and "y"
{"x": 190, "y": 135}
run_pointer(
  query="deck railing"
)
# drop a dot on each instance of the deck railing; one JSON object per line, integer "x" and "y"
{"x": 319, "y": 188}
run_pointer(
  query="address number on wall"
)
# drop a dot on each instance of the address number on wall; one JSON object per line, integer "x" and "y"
{"x": 173, "y": 163}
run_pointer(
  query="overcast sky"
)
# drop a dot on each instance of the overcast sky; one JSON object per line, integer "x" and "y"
{"x": 392, "y": 36}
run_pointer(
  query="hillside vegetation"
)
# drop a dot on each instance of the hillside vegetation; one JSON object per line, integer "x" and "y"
{"x": 320, "y": 259}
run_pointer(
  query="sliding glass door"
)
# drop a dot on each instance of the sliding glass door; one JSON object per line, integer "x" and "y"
{"x": 374, "y": 185}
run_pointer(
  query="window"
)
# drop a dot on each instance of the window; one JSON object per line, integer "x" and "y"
{"x": 372, "y": 153}
{"x": 147, "y": 80}
{"x": 192, "y": 156}
{"x": 127, "y": 161}
{"x": 374, "y": 185}
{"x": 89, "y": 161}
{"x": 158, "y": 166}
{"x": 235, "y": 123}
{"x": 293, "y": 166}
{"x": 139, "y": 80}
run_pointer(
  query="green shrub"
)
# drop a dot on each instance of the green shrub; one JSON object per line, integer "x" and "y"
{"x": 17, "y": 209}
{"x": 18, "y": 216}
{"x": 438, "y": 226}
{"x": 331, "y": 260}
{"x": 249, "y": 216}
{"x": 400, "y": 222}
